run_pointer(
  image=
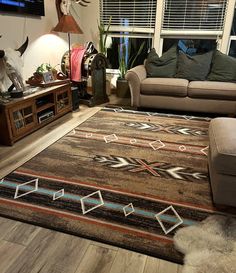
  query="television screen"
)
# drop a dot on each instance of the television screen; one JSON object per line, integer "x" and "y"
{"x": 33, "y": 7}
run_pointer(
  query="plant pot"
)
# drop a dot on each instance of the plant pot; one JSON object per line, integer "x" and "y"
{"x": 122, "y": 88}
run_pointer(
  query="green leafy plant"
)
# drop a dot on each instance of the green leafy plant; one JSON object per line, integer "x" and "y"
{"x": 44, "y": 67}
{"x": 122, "y": 60}
{"x": 125, "y": 64}
{"x": 103, "y": 33}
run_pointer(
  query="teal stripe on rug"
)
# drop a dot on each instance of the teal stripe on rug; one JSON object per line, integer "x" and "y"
{"x": 95, "y": 202}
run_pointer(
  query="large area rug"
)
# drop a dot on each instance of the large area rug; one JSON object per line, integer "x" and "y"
{"x": 127, "y": 178}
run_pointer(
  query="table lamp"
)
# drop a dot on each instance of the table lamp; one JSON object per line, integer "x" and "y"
{"x": 67, "y": 24}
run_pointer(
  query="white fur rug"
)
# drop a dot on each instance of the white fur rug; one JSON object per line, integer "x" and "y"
{"x": 209, "y": 247}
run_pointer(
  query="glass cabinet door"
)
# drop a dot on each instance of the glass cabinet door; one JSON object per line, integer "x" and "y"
{"x": 62, "y": 100}
{"x": 22, "y": 118}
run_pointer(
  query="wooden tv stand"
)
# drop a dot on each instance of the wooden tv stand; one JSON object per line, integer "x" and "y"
{"x": 20, "y": 117}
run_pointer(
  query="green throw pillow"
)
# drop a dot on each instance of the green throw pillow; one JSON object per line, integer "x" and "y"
{"x": 164, "y": 66}
{"x": 194, "y": 68}
{"x": 223, "y": 68}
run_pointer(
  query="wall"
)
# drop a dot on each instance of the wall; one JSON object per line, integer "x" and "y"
{"x": 89, "y": 21}
{"x": 43, "y": 46}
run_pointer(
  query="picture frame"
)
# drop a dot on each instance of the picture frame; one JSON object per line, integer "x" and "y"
{"x": 48, "y": 77}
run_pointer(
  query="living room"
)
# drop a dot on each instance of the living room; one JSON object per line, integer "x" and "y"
{"x": 93, "y": 179}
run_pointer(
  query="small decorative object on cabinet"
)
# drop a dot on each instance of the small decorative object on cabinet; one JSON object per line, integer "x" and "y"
{"x": 20, "y": 117}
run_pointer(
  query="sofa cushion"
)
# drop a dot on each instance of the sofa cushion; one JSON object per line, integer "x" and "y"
{"x": 193, "y": 68}
{"x": 223, "y": 145}
{"x": 223, "y": 68}
{"x": 212, "y": 90}
{"x": 164, "y": 87}
{"x": 164, "y": 66}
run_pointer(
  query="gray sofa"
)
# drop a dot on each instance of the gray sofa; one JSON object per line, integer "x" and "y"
{"x": 180, "y": 94}
{"x": 222, "y": 160}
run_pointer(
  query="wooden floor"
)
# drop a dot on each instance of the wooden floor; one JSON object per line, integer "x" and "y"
{"x": 26, "y": 248}
{"x": 30, "y": 249}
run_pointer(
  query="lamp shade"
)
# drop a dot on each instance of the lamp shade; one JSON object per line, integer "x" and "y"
{"x": 67, "y": 24}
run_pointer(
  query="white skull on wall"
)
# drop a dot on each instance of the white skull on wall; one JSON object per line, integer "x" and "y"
{"x": 65, "y": 6}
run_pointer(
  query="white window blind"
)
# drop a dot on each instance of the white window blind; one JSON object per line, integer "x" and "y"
{"x": 194, "y": 15}
{"x": 137, "y": 16}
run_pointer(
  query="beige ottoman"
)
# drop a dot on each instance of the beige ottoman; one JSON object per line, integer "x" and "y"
{"x": 222, "y": 160}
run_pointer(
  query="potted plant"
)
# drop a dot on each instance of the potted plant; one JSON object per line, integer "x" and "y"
{"x": 125, "y": 62}
{"x": 45, "y": 67}
{"x": 103, "y": 34}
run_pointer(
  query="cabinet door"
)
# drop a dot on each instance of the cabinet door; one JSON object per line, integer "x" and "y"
{"x": 22, "y": 118}
{"x": 63, "y": 100}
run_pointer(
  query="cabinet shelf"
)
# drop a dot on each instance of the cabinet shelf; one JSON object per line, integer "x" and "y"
{"x": 22, "y": 116}
{"x": 45, "y": 106}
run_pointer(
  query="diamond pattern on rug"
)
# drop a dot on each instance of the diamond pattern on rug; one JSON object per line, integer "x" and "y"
{"x": 163, "y": 218}
{"x": 26, "y": 189}
{"x": 90, "y": 202}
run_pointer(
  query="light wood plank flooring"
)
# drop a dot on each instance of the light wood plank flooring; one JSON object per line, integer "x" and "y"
{"x": 29, "y": 249}
{"x": 26, "y": 248}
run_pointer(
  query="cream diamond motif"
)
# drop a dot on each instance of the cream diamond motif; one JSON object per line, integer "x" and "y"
{"x": 110, "y": 138}
{"x": 182, "y": 148}
{"x": 89, "y": 135}
{"x": 133, "y": 141}
{"x": 27, "y": 188}
{"x": 188, "y": 117}
{"x": 157, "y": 144}
{"x": 128, "y": 209}
{"x": 91, "y": 200}
{"x": 162, "y": 215}
{"x": 58, "y": 194}
{"x": 118, "y": 109}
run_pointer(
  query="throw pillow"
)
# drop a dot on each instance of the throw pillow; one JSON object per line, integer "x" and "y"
{"x": 223, "y": 68}
{"x": 164, "y": 66}
{"x": 194, "y": 68}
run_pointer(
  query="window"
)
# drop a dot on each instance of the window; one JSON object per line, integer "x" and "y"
{"x": 194, "y": 15}
{"x": 232, "y": 41}
{"x": 133, "y": 21}
{"x": 133, "y": 44}
{"x": 191, "y": 47}
{"x": 136, "y": 16}
{"x": 232, "y": 49}
{"x": 233, "y": 29}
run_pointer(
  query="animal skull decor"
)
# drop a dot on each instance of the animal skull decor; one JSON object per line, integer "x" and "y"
{"x": 11, "y": 68}
{"x": 65, "y": 5}
{"x": 83, "y": 3}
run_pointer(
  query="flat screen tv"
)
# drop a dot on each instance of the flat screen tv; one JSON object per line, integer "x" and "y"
{"x": 32, "y": 7}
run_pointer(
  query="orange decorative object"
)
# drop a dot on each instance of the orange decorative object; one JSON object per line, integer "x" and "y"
{"x": 67, "y": 24}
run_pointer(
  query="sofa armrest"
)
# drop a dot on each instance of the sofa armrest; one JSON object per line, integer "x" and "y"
{"x": 134, "y": 77}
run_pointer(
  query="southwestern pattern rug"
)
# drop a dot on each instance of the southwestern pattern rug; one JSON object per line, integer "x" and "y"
{"x": 123, "y": 177}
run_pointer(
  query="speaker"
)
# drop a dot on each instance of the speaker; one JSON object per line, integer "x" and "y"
{"x": 75, "y": 98}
